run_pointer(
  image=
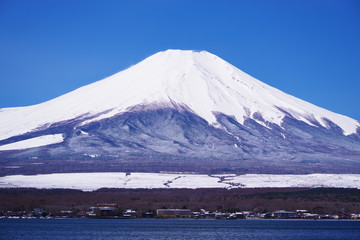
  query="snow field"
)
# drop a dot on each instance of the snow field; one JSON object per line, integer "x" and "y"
{"x": 93, "y": 181}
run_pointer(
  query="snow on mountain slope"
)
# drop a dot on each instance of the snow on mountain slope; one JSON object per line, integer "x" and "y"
{"x": 199, "y": 81}
{"x": 34, "y": 142}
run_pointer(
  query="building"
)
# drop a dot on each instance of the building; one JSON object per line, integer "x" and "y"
{"x": 67, "y": 214}
{"x": 103, "y": 210}
{"x": 282, "y": 214}
{"x": 129, "y": 213}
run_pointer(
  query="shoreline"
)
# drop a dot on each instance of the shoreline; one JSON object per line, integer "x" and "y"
{"x": 179, "y": 219}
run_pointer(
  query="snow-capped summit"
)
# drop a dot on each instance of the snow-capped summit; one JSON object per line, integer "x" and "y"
{"x": 201, "y": 81}
{"x": 191, "y": 103}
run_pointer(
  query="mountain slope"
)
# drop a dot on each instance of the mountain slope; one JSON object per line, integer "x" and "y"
{"x": 183, "y": 110}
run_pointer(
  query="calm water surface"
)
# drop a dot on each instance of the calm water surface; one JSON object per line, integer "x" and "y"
{"x": 77, "y": 229}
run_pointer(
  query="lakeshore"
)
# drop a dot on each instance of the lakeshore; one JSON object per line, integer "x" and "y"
{"x": 270, "y": 203}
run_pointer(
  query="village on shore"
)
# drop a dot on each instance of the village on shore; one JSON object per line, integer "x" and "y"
{"x": 112, "y": 211}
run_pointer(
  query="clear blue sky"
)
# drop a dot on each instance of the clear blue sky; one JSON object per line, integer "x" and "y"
{"x": 307, "y": 48}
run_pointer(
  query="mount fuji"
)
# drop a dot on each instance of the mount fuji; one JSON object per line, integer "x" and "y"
{"x": 182, "y": 111}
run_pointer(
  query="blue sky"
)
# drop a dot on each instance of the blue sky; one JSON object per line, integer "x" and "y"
{"x": 307, "y": 48}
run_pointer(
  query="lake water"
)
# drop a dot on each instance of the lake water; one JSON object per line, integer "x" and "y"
{"x": 34, "y": 229}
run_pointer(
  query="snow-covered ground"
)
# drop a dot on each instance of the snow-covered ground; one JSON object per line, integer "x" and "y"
{"x": 34, "y": 142}
{"x": 93, "y": 181}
